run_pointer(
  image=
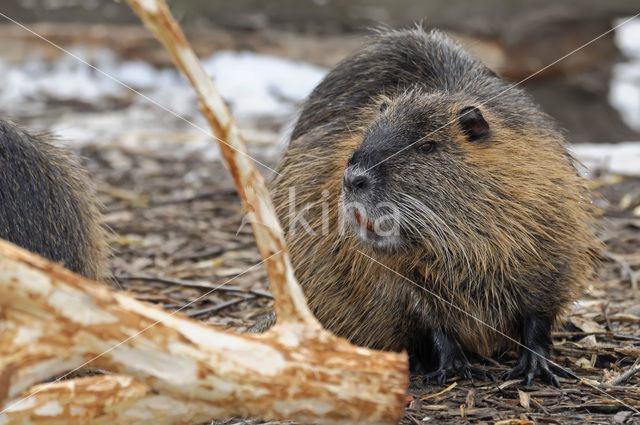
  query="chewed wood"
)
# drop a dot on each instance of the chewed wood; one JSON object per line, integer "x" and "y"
{"x": 55, "y": 321}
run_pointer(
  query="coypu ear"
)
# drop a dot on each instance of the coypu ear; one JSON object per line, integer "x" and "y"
{"x": 473, "y": 123}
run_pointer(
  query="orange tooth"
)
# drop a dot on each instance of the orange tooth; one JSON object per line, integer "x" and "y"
{"x": 363, "y": 221}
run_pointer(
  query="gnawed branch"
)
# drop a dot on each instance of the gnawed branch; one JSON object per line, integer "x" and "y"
{"x": 54, "y": 321}
{"x": 123, "y": 400}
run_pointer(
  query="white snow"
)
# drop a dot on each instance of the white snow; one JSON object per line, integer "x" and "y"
{"x": 260, "y": 89}
{"x": 34, "y": 81}
{"x": 627, "y": 37}
{"x": 624, "y": 92}
{"x": 254, "y": 85}
{"x": 620, "y": 158}
{"x": 261, "y": 85}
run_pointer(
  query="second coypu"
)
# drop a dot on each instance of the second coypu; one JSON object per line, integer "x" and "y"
{"x": 45, "y": 203}
{"x": 465, "y": 226}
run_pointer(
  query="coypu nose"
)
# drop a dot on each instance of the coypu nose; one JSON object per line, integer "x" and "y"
{"x": 355, "y": 180}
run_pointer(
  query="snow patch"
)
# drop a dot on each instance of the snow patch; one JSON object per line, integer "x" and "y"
{"x": 261, "y": 85}
{"x": 624, "y": 94}
{"x": 621, "y": 158}
{"x": 260, "y": 89}
{"x": 253, "y": 84}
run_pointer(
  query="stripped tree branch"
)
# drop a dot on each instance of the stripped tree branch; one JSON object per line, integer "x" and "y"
{"x": 54, "y": 321}
{"x": 289, "y": 302}
{"x": 123, "y": 400}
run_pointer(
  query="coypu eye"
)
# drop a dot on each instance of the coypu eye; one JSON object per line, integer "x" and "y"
{"x": 427, "y": 147}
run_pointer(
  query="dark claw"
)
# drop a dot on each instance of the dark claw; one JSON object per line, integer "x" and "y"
{"x": 532, "y": 366}
{"x": 439, "y": 376}
{"x": 442, "y": 354}
{"x": 518, "y": 370}
{"x": 536, "y": 339}
{"x": 467, "y": 371}
{"x": 529, "y": 379}
{"x": 478, "y": 373}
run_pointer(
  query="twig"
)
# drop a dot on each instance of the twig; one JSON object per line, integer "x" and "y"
{"x": 197, "y": 284}
{"x": 555, "y": 393}
{"x": 611, "y": 334}
{"x": 218, "y": 307}
{"x": 626, "y": 270}
{"x": 176, "y": 360}
{"x": 470, "y": 399}
{"x": 507, "y": 384}
{"x": 605, "y": 311}
{"x": 504, "y": 404}
{"x": 490, "y": 360}
{"x": 208, "y": 253}
{"x": 635, "y": 368}
{"x": 290, "y": 302}
{"x": 212, "y": 252}
{"x": 449, "y": 388}
{"x": 539, "y": 405}
{"x": 195, "y": 197}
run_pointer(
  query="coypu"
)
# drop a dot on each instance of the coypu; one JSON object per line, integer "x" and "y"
{"x": 45, "y": 203}
{"x": 430, "y": 206}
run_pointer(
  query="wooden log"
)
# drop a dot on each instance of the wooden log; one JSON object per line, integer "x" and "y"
{"x": 123, "y": 400}
{"x": 54, "y": 321}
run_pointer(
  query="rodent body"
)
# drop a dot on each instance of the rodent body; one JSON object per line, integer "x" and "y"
{"x": 489, "y": 223}
{"x": 46, "y": 205}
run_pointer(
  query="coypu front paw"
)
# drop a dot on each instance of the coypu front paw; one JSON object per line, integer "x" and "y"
{"x": 534, "y": 356}
{"x": 533, "y": 365}
{"x": 441, "y": 351}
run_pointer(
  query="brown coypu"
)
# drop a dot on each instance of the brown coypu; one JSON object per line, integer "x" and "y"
{"x": 431, "y": 207}
{"x": 45, "y": 203}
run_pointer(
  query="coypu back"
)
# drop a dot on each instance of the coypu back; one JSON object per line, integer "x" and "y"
{"x": 513, "y": 219}
{"x": 394, "y": 61}
{"x": 46, "y": 205}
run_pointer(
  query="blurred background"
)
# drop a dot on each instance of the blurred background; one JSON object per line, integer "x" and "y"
{"x": 267, "y": 56}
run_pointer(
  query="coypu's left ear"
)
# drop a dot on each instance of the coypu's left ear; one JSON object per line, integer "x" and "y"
{"x": 473, "y": 123}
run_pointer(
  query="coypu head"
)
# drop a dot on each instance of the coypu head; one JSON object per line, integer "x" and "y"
{"x": 403, "y": 183}
{"x": 444, "y": 175}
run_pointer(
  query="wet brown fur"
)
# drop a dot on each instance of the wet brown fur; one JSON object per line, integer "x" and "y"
{"x": 523, "y": 236}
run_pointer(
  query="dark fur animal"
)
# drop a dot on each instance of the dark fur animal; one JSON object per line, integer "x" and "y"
{"x": 488, "y": 222}
{"x": 45, "y": 203}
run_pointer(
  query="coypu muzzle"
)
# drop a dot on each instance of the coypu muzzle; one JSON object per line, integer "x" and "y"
{"x": 365, "y": 212}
